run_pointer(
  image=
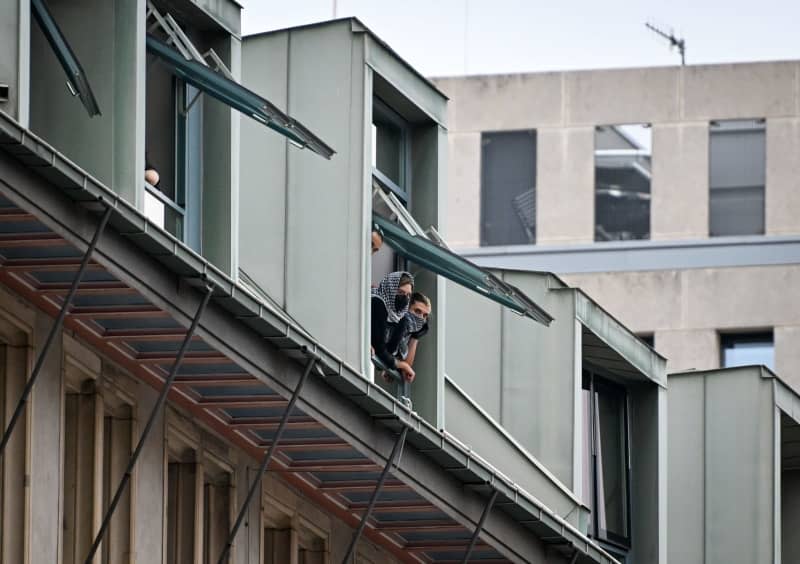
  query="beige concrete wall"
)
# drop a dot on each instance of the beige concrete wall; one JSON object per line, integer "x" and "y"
{"x": 787, "y": 353}
{"x": 679, "y": 188}
{"x": 464, "y": 189}
{"x": 687, "y": 309}
{"x": 565, "y": 185}
{"x": 678, "y": 101}
{"x": 783, "y": 176}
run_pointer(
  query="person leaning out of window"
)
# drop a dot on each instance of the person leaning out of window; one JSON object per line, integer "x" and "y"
{"x": 389, "y": 305}
{"x": 416, "y": 327}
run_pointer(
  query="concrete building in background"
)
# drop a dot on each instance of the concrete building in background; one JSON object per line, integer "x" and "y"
{"x": 185, "y": 368}
{"x": 670, "y": 195}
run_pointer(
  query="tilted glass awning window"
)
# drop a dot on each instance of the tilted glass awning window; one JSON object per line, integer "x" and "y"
{"x": 237, "y": 96}
{"x": 430, "y": 256}
{"x": 76, "y": 78}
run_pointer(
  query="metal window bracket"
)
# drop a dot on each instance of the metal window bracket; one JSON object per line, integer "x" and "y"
{"x": 479, "y": 528}
{"x": 219, "y": 64}
{"x": 394, "y": 459}
{"x": 404, "y": 218}
{"x": 178, "y": 38}
{"x": 157, "y": 408}
{"x": 187, "y": 108}
{"x": 312, "y": 361}
{"x": 54, "y": 330}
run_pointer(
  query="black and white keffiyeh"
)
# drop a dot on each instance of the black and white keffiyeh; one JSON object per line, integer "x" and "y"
{"x": 387, "y": 290}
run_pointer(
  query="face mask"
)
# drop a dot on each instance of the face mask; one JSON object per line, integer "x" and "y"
{"x": 400, "y": 302}
{"x": 417, "y": 323}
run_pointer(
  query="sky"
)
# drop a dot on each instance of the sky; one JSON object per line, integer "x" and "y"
{"x": 454, "y": 37}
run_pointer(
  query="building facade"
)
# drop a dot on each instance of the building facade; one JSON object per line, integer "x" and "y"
{"x": 184, "y": 287}
{"x": 670, "y": 195}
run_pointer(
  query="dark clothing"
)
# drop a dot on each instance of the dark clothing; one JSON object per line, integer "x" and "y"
{"x": 386, "y": 336}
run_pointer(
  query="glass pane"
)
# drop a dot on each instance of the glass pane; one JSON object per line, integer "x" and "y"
{"x": 508, "y": 188}
{"x": 623, "y": 156}
{"x": 160, "y": 126}
{"x": 737, "y": 211}
{"x": 388, "y": 150}
{"x": 745, "y": 350}
{"x": 737, "y": 156}
{"x": 612, "y": 480}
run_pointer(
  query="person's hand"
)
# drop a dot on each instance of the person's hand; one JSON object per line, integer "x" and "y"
{"x": 406, "y": 370}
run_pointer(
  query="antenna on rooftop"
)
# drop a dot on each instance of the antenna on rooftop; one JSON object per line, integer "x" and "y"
{"x": 673, "y": 41}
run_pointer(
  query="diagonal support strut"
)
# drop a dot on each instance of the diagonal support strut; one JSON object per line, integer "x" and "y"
{"x": 265, "y": 462}
{"x": 398, "y": 446}
{"x": 54, "y": 329}
{"x": 479, "y": 528}
{"x": 162, "y": 398}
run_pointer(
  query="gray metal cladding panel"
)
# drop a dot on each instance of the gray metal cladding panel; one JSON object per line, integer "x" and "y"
{"x": 263, "y": 171}
{"x": 326, "y": 233}
{"x": 473, "y": 346}
{"x": 58, "y": 116}
{"x": 739, "y": 468}
{"x": 471, "y": 428}
{"x": 686, "y": 487}
{"x": 9, "y": 60}
{"x": 538, "y": 378}
{"x": 645, "y": 501}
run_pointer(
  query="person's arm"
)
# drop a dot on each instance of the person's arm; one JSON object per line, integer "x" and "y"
{"x": 378, "y": 334}
{"x": 412, "y": 351}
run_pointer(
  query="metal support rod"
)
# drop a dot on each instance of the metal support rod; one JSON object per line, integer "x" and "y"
{"x": 162, "y": 398}
{"x": 265, "y": 461}
{"x": 398, "y": 446}
{"x": 56, "y": 327}
{"x": 479, "y": 528}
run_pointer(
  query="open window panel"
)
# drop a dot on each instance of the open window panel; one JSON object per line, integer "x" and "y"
{"x": 77, "y": 82}
{"x": 169, "y": 44}
{"x": 607, "y": 462}
{"x": 429, "y": 251}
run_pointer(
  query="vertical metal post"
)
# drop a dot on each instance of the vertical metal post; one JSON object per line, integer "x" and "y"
{"x": 265, "y": 461}
{"x": 54, "y": 330}
{"x": 398, "y": 445}
{"x": 479, "y": 528}
{"x": 162, "y": 398}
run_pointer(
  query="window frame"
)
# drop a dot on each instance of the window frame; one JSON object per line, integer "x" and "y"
{"x": 759, "y": 124}
{"x": 532, "y": 234}
{"x": 727, "y": 339}
{"x": 598, "y": 381}
{"x": 402, "y": 190}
